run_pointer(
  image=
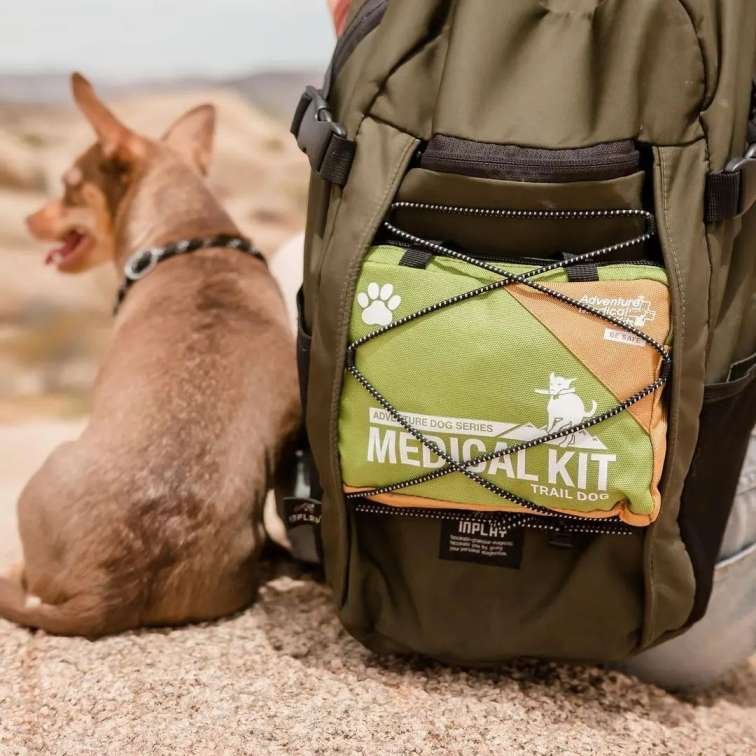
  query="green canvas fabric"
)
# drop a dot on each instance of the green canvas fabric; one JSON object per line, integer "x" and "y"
{"x": 576, "y": 74}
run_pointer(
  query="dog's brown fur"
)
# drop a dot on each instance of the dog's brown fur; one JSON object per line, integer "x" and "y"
{"x": 153, "y": 516}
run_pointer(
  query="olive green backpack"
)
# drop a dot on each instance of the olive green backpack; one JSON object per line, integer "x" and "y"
{"x": 527, "y": 324}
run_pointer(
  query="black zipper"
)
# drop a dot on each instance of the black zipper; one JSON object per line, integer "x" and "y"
{"x": 508, "y": 162}
{"x": 368, "y": 18}
{"x": 508, "y": 520}
{"x": 535, "y": 261}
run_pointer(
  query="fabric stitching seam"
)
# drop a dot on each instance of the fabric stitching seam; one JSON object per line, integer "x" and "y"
{"x": 345, "y": 312}
{"x": 680, "y": 335}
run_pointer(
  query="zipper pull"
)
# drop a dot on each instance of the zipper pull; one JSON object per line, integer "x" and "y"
{"x": 417, "y": 158}
{"x": 564, "y": 539}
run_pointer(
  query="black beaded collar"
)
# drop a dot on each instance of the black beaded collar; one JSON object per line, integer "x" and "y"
{"x": 144, "y": 261}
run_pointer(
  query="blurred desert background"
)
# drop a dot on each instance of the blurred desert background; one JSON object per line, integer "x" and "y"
{"x": 53, "y": 326}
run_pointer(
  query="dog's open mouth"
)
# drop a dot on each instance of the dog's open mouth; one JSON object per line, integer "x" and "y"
{"x": 65, "y": 255}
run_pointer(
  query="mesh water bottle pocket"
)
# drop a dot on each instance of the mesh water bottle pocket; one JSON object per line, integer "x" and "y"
{"x": 507, "y": 387}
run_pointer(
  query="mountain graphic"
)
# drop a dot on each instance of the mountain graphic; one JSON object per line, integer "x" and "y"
{"x": 529, "y": 432}
{"x": 524, "y": 432}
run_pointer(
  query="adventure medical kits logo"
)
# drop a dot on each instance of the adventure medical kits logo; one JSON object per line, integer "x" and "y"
{"x": 636, "y": 311}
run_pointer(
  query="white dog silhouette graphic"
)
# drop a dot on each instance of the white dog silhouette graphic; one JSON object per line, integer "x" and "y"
{"x": 565, "y": 408}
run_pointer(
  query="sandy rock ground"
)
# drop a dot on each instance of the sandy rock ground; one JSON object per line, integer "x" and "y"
{"x": 281, "y": 677}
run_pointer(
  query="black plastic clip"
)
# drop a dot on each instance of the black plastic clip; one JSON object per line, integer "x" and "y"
{"x": 322, "y": 139}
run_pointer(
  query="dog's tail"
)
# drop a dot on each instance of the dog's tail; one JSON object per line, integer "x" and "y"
{"x": 68, "y": 618}
{"x": 594, "y": 407}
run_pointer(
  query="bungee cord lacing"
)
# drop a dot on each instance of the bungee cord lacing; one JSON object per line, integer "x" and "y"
{"x": 564, "y": 521}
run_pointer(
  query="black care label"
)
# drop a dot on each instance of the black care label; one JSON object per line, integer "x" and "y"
{"x": 301, "y": 512}
{"x": 481, "y": 541}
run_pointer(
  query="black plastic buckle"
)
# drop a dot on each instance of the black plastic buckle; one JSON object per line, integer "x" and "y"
{"x": 731, "y": 192}
{"x": 315, "y": 129}
{"x": 303, "y": 508}
{"x": 739, "y": 163}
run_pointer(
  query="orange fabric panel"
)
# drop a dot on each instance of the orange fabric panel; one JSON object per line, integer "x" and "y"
{"x": 623, "y": 368}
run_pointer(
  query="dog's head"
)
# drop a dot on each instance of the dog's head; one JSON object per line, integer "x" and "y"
{"x": 557, "y": 385}
{"x": 84, "y": 220}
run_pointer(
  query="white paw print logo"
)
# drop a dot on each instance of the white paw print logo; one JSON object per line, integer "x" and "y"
{"x": 378, "y": 304}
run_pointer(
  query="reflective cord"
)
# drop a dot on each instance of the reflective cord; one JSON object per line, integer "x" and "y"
{"x": 611, "y": 524}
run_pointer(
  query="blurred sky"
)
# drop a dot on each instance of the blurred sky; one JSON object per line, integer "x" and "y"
{"x": 157, "y": 38}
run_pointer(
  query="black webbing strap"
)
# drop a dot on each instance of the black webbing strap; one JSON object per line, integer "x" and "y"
{"x": 580, "y": 273}
{"x": 323, "y": 140}
{"x": 416, "y": 258}
{"x": 732, "y": 192}
{"x": 722, "y": 200}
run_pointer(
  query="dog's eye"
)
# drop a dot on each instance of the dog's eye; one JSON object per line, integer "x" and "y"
{"x": 72, "y": 195}
{"x": 114, "y": 168}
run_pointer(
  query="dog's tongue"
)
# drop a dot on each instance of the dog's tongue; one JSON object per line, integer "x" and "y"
{"x": 70, "y": 241}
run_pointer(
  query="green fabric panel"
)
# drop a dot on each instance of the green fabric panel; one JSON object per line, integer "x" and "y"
{"x": 489, "y": 360}
{"x": 566, "y": 63}
{"x": 406, "y": 27}
{"x": 577, "y": 73}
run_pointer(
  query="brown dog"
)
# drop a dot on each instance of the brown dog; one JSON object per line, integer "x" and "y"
{"x": 153, "y": 516}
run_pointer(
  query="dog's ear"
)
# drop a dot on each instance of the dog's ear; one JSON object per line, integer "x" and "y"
{"x": 192, "y": 136}
{"x": 117, "y": 141}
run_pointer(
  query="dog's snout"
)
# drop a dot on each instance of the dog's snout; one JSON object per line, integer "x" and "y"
{"x": 32, "y": 222}
{"x": 43, "y": 222}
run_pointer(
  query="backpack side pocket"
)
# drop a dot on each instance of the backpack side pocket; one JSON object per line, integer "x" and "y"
{"x": 727, "y": 419}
